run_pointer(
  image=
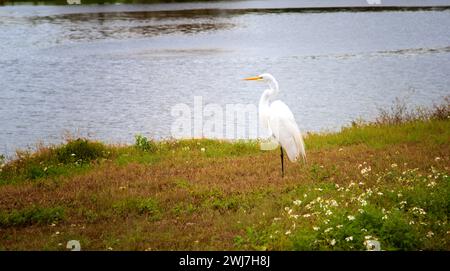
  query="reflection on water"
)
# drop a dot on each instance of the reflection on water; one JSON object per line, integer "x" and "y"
{"x": 90, "y": 26}
{"x": 111, "y": 72}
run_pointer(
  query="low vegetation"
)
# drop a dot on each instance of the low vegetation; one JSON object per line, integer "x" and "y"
{"x": 385, "y": 181}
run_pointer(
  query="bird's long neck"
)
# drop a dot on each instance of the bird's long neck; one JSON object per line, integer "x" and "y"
{"x": 269, "y": 94}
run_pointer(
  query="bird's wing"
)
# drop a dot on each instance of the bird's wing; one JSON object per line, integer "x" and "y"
{"x": 285, "y": 129}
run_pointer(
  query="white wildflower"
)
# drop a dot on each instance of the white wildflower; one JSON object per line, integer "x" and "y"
{"x": 328, "y": 229}
{"x": 297, "y": 202}
{"x": 350, "y": 217}
{"x": 333, "y": 242}
{"x": 418, "y": 211}
{"x": 348, "y": 239}
{"x": 363, "y": 202}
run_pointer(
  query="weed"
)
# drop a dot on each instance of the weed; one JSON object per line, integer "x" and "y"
{"x": 31, "y": 215}
{"x": 143, "y": 144}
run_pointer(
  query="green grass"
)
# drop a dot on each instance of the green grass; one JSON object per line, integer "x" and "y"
{"x": 381, "y": 136}
{"x": 384, "y": 181}
{"x": 31, "y": 215}
{"x": 408, "y": 213}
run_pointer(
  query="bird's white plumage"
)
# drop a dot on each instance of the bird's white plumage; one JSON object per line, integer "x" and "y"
{"x": 284, "y": 128}
{"x": 277, "y": 118}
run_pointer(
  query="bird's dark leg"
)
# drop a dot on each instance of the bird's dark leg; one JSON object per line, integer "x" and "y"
{"x": 282, "y": 162}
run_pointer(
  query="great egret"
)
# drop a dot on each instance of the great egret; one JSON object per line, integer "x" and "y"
{"x": 278, "y": 119}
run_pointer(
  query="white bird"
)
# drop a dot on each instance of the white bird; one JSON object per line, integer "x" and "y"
{"x": 278, "y": 119}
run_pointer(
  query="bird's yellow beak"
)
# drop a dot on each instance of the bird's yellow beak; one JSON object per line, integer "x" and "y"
{"x": 253, "y": 78}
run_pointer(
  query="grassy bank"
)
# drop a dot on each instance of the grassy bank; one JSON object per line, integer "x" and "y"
{"x": 387, "y": 180}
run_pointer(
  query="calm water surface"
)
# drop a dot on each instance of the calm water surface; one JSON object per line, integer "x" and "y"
{"x": 112, "y": 71}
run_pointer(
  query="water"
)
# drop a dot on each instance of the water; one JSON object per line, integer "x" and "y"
{"x": 110, "y": 72}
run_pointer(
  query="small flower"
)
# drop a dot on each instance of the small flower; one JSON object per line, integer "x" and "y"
{"x": 348, "y": 239}
{"x": 287, "y": 232}
{"x": 380, "y": 193}
{"x": 203, "y": 149}
{"x": 109, "y": 248}
{"x": 297, "y": 202}
{"x": 316, "y": 228}
{"x": 57, "y": 233}
{"x": 328, "y": 229}
{"x": 73, "y": 154}
{"x": 365, "y": 171}
{"x": 399, "y": 195}
{"x": 306, "y": 215}
{"x": 418, "y": 211}
{"x": 328, "y": 212}
{"x": 384, "y": 217}
{"x": 350, "y": 217}
{"x": 367, "y": 237}
{"x": 339, "y": 226}
{"x": 430, "y": 234}
{"x": 276, "y": 218}
{"x": 394, "y": 165}
{"x": 334, "y": 203}
{"x": 333, "y": 242}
